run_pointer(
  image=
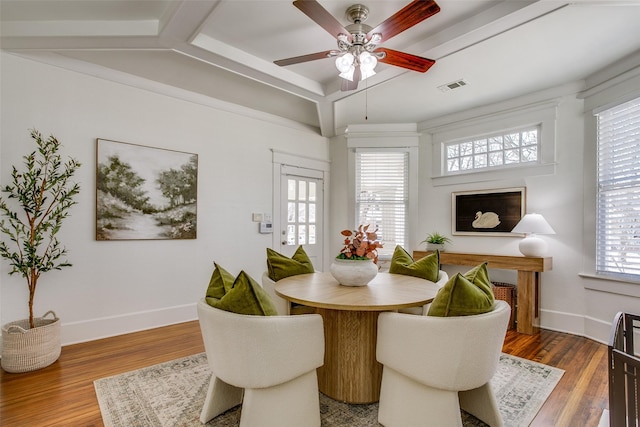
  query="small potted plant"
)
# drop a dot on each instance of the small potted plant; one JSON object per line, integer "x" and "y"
{"x": 357, "y": 262}
{"x": 43, "y": 196}
{"x": 436, "y": 241}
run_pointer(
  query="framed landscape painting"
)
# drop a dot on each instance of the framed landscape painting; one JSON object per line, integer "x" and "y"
{"x": 488, "y": 212}
{"x": 145, "y": 193}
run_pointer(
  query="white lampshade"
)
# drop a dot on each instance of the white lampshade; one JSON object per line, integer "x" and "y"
{"x": 348, "y": 74}
{"x": 530, "y": 225}
{"x": 344, "y": 63}
{"x": 367, "y": 64}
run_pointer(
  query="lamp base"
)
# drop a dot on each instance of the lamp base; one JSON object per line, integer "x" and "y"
{"x": 532, "y": 245}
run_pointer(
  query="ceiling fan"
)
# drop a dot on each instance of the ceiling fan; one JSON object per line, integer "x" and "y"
{"x": 358, "y": 52}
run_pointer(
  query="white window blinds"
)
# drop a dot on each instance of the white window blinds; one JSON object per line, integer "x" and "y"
{"x": 382, "y": 194}
{"x": 618, "y": 216}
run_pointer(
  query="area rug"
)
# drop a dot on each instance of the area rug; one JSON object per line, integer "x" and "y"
{"x": 172, "y": 394}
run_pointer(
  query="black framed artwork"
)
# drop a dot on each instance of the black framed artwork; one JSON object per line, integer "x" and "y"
{"x": 487, "y": 212}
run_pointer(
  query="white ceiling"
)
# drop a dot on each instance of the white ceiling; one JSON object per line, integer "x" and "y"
{"x": 224, "y": 50}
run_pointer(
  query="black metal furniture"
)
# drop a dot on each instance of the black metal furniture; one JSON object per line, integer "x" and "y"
{"x": 624, "y": 372}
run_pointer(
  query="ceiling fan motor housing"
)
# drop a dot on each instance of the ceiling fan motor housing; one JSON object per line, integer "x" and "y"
{"x": 357, "y": 13}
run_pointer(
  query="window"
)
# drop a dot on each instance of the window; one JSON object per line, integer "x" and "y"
{"x": 493, "y": 143}
{"x": 382, "y": 194}
{"x": 493, "y": 151}
{"x": 618, "y": 198}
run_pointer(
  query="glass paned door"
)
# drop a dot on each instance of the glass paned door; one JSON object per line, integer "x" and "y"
{"x": 302, "y": 225}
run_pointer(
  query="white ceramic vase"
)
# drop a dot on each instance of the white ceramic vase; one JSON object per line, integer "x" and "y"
{"x": 353, "y": 272}
{"x": 435, "y": 247}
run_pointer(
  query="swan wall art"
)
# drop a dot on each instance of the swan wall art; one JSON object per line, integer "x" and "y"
{"x": 488, "y": 212}
{"x": 486, "y": 220}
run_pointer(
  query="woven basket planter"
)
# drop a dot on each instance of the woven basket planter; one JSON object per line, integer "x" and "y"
{"x": 507, "y": 292}
{"x": 25, "y": 350}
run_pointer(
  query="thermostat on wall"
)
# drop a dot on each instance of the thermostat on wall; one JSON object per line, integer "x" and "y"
{"x": 266, "y": 227}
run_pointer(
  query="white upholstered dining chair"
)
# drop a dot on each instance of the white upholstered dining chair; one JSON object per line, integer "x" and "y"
{"x": 267, "y": 363}
{"x": 433, "y": 366}
{"x": 282, "y": 305}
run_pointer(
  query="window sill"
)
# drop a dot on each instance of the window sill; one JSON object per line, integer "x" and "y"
{"x": 488, "y": 175}
{"x": 612, "y": 285}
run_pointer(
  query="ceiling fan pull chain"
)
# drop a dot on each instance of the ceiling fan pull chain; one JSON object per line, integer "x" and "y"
{"x": 366, "y": 99}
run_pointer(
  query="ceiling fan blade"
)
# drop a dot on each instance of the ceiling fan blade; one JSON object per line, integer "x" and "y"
{"x": 415, "y": 12}
{"x": 320, "y": 16}
{"x": 348, "y": 85}
{"x": 304, "y": 58}
{"x": 351, "y": 84}
{"x": 405, "y": 60}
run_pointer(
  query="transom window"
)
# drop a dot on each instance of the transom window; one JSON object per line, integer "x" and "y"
{"x": 498, "y": 150}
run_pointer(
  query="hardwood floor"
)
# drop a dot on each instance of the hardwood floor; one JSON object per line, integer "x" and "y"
{"x": 63, "y": 394}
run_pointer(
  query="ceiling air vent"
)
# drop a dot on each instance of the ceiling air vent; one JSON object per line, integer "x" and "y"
{"x": 453, "y": 85}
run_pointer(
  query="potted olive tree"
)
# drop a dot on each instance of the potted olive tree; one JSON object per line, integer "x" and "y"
{"x": 37, "y": 201}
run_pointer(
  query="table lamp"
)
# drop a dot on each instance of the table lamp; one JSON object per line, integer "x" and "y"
{"x": 530, "y": 225}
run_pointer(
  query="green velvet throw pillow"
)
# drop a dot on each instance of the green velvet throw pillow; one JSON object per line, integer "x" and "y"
{"x": 479, "y": 276}
{"x": 245, "y": 297}
{"x": 464, "y": 295}
{"x": 425, "y": 268}
{"x": 220, "y": 283}
{"x": 281, "y": 266}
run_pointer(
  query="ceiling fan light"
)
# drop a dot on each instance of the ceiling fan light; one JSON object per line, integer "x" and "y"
{"x": 368, "y": 63}
{"x": 348, "y": 74}
{"x": 344, "y": 63}
{"x": 365, "y": 74}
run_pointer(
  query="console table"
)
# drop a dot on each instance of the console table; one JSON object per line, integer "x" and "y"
{"x": 528, "y": 268}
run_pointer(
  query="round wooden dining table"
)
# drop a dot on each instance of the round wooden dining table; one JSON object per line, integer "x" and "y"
{"x": 351, "y": 372}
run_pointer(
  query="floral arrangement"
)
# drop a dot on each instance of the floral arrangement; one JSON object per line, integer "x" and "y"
{"x": 360, "y": 244}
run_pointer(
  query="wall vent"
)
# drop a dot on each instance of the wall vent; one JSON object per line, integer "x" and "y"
{"x": 453, "y": 85}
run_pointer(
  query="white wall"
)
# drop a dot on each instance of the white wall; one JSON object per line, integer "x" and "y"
{"x": 557, "y": 196}
{"x": 122, "y": 286}
{"x": 567, "y": 304}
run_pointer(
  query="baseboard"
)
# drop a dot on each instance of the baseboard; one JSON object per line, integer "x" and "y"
{"x": 562, "y": 322}
{"x": 93, "y": 329}
{"x": 575, "y": 324}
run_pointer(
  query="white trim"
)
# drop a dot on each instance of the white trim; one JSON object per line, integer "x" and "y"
{"x": 610, "y": 285}
{"x": 510, "y": 173}
{"x": 398, "y": 135}
{"x": 282, "y": 157}
{"x": 104, "y": 327}
{"x": 542, "y": 113}
{"x": 621, "y": 88}
{"x": 575, "y": 324}
{"x": 559, "y": 321}
{"x": 618, "y": 74}
{"x": 300, "y": 166}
